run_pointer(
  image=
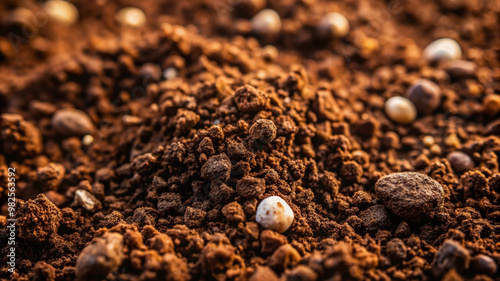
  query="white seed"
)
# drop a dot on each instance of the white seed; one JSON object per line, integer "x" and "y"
{"x": 86, "y": 200}
{"x": 274, "y": 213}
{"x": 170, "y": 73}
{"x": 266, "y": 22}
{"x": 131, "y": 16}
{"x": 61, "y": 11}
{"x": 400, "y": 110}
{"x": 443, "y": 49}
{"x": 87, "y": 140}
{"x": 333, "y": 25}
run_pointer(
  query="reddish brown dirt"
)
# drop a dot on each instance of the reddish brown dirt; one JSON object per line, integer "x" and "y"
{"x": 169, "y": 186}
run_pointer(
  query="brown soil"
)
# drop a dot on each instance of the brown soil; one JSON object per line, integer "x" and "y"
{"x": 168, "y": 185}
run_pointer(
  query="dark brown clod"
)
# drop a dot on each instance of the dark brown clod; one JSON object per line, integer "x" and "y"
{"x": 50, "y": 176}
{"x": 250, "y": 187}
{"x": 19, "y": 137}
{"x": 362, "y": 199}
{"x": 425, "y": 95}
{"x": 329, "y": 183}
{"x": 285, "y": 256}
{"x": 271, "y": 240}
{"x": 326, "y": 107}
{"x": 412, "y": 196}
{"x": 351, "y": 171}
{"x": 249, "y": 99}
{"x": 233, "y": 212}
{"x": 44, "y": 272}
{"x": 217, "y": 169}
{"x": 262, "y": 132}
{"x": 38, "y": 219}
{"x": 396, "y": 250}
{"x": 375, "y": 218}
{"x": 194, "y": 217}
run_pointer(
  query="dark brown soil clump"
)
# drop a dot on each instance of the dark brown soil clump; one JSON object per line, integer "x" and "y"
{"x": 143, "y": 153}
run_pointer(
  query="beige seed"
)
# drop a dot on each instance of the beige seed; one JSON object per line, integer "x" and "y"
{"x": 267, "y": 22}
{"x": 274, "y": 213}
{"x": 87, "y": 140}
{"x": 443, "y": 49}
{"x": 333, "y": 25}
{"x": 428, "y": 141}
{"x": 131, "y": 16}
{"x": 400, "y": 110}
{"x": 61, "y": 11}
{"x": 170, "y": 73}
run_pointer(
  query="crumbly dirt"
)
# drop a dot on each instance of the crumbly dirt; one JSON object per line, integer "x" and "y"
{"x": 159, "y": 179}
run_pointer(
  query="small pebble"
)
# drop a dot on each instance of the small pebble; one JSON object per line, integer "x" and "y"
{"x": 72, "y": 122}
{"x": 443, "y": 49}
{"x": 267, "y": 23}
{"x": 428, "y": 141}
{"x": 61, "y": 11}
{"x": 99, "y": 259}
{"x": 86, "y": 200}
{"x": 131, "y": 16}
{"x": 170, "y": 73}
{"x": 460, "y": 162}
{"x": 450, "y": 255}
{"x": 452, "y": 141}
{"x": 425, "y": 95}
{"x": 491, "y": 104}
{"x": 274, "y": 213}
{"x": 333, "y": 25}
{"x": 400, "y": 110}
{"x": 412, "y": 196}
{"x": 484, "y": 264}
{"x": 21, "y": 16}
{"x": 87, "y": 140}
{"x": 436, "y": 149}
{"x": 262, "y": 132}
{"x": 460, "y": 68}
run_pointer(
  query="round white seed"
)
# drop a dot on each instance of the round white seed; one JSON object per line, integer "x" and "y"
{"x": 333, "y": 25}
{"x": 400, "y": 110}
{"x": 443, "y": 49}
{"x": 61, "y": 11}
{"x": 274, "y": 213}
{"x": 266, "y": 22}
{"x": 131, "y": 16}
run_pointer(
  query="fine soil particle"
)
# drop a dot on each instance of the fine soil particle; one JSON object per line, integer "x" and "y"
{"x": 143, "y": 151}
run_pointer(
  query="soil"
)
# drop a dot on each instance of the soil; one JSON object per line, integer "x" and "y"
{"x": 123, "y": 174}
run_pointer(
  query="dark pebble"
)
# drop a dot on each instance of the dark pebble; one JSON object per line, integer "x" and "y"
{"x": 425, "y": 95}
{"x": 484, "y": 264}
{"x": 451, "y": 255}
{"x": 460, "y": 162}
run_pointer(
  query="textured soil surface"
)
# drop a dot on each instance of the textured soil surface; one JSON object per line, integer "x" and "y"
{"x": 143, "y": 153}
